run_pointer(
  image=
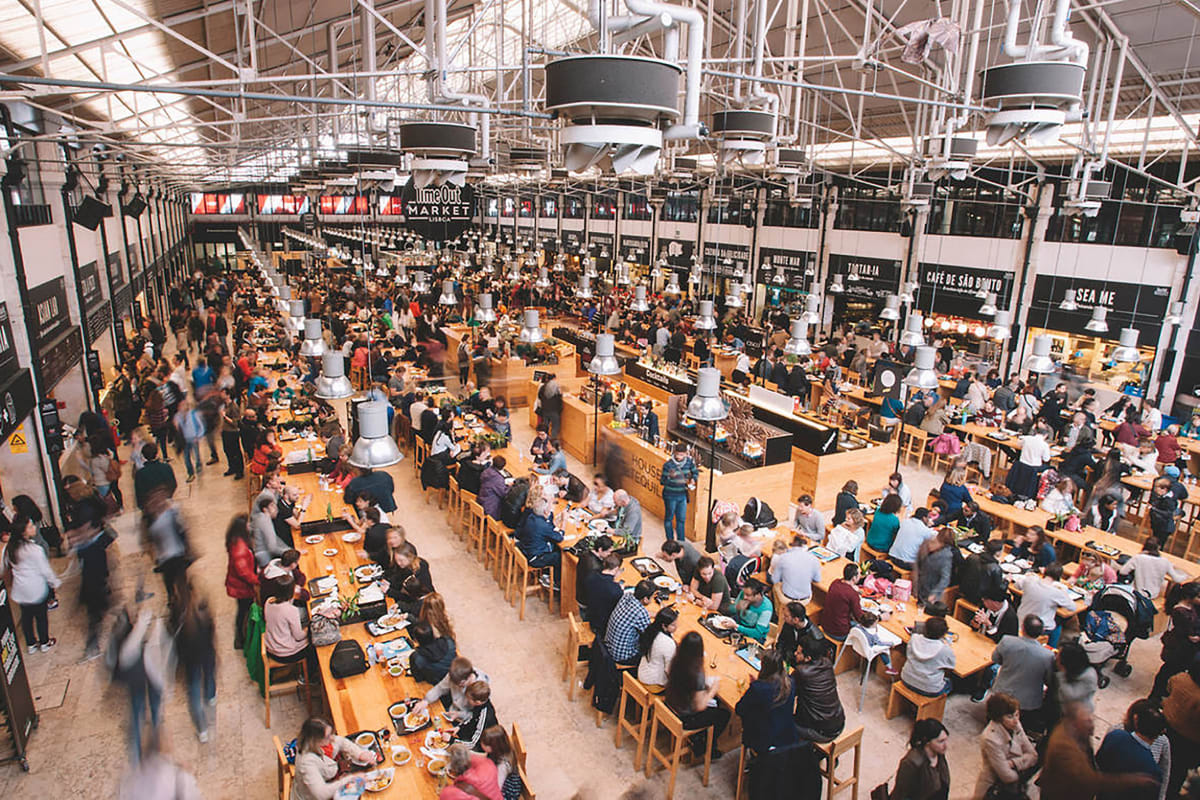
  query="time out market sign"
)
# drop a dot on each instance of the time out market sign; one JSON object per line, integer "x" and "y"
{"x": 438, "y": 213}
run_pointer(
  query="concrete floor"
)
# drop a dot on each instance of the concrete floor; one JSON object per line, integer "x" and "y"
{"x": 79, "y": 749}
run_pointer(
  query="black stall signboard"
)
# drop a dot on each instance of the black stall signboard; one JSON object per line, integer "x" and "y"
{"x": 637, "y": 248}
{"x": 16, "y": 385}
{"x": 1129, "y": 305}
{"x": 114, "y": 269}
{"x": 947, "y": 289}
{"x": 572, "y": 240}
{"x": 600, "y": 242}
{"x": 51, "y": 316}
{"x": 18, "y": 696}
{"x": 877, "y": 277}
{"x": 57, "y": 359}
{"x": 717, "y": 253}
{"x": 95, "y": 370}
{"x": 98, "y": 321}
{"x": 438, "y": 213}
{"x": 793, "y": 262}
{"x": 678, "y": 252}
{"x": 89, "y": 286}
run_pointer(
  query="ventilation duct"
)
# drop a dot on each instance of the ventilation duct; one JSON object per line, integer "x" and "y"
{"x": 742, "y": 136}
{"x": 439, "y": 150}
{"x": 956, "y": 163}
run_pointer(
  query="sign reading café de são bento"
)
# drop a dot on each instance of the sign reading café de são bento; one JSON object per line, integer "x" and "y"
{"x": 438, "y": 213}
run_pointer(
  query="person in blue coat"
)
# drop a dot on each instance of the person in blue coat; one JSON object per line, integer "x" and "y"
{"x": 954, "y": 491}
{"x": 537, "y": 537}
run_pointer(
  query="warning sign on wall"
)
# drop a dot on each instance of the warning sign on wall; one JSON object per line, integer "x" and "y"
{"x": 17, "y": 442}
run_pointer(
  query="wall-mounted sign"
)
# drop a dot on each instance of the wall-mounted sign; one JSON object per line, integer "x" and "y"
{"x": 599, "y": 239}
{"x": 793, "y": 262}
{"x": 727, "y": 257}
{"x": 638, "y": 247}
{"x": 51, "y": 316}
{"x": 95, "y": 370}
{"x": 51, "y": 426}
{"x": 678, "y": 252}
{"x": 876, "y": 277}
{"x": 17, "y": 442}
{"x": 947, "y": 289}
{"x": 1129, "y": 305}
{"x": 133, "y": 259}
{"x": 98, "y": 321}
{"x": 60, "y": 357}
{"x": 114, "y": 269}
{"x": 8, "y": 352}
{"x": 438, "y": 213}
{"x": 89, "y": 286}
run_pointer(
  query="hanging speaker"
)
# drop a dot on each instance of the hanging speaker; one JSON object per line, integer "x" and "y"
{"x": 90, "y": 212}
{"x": 135, "y": 206}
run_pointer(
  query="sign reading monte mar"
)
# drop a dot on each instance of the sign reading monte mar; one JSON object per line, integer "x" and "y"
{"x": 438, "y": 213}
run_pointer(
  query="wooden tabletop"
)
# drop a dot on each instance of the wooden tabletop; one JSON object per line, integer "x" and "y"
{"x": 1146, "y": 482}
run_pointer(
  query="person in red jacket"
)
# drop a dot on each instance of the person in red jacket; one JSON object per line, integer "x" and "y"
{"x": 842, "y": 605}
{"x": 241, "y": 576}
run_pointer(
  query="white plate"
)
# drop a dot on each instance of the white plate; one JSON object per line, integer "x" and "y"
{"x": 665, "y": 582}
{"x": 380, "y": 779}
{"x": 330, "y": 551}
{"x": 723, "y": 623}
{"x": 351, "y": 538}
{"x": 598, "y": 525}
{"x": 313, "y": 539}
{"x": 434, "y": 747}
{"x": 1011, "y": 569}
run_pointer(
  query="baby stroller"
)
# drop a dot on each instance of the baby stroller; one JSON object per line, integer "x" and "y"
{"x": 1118, "y": 615}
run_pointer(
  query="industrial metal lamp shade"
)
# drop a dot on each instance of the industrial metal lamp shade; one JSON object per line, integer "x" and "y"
{"x": 543, "y": 281}
{"x": 313, "y": 345}
{"x": 891, "y": 308}
{"x": 988, "y": 309}
{"x": 623, "y": 275}
{"x": 797, "y": 344}
{"x": 296, "y": 316}
{"x": 1068, "y": 302}
{"x": 906, "y": 293}
{"x": 332, "y": 383}
{"x": 836, "y": 286}
{"x": 672, "y": 286}
{"x": 1001, "y": 328}
{"x": 375, "y": 448}
{"x": 707, "y": 405}
{"x": 1175, "y": 316}
{"x": 922, "y": 375}
{"x": 1039, "y": 361}
{"x": 812, "y": 310}
{"x": 604, "y": 362}
{"x": 779, "y": 278}
{"x": 402, "y": 275}
{"x": 532, "y": 332}
{"x": 639, "y": 300}
{"x": 1099, "y": 321}
{"x": 1127, "y": 352}
{"x": 733, "y": 300}
{"x": 584, "y": 292}
{"x": 705, "y": 321}
{"x": 913, "y": 335}
{"x": 485, "y": 312}
{"x": 448, "y": 297}
{"x": 694, "y": 277}
{"x": 420, "y": 283}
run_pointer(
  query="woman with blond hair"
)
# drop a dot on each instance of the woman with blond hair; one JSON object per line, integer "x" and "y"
{"x": 954, "y": 491}
{"x": 433, "y": 611}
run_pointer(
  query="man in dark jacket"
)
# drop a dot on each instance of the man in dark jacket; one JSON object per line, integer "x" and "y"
{"x": 980, "y": 573}
{"x": 153, "y": 474}
{"x": 430, "y": 661}
{"x": 819, "y": 715}
{"x": 797, "y": 382}
{"x": 601, "y": 592}
{"x": 1181, "y": 639}
{"x": 590, "y": 561}
{"x": 969, "y": 516}
{"x": 492, "y": 487}
{"x": 375, "y": 483}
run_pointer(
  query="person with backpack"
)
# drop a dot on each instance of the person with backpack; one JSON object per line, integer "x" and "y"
{"x": 678, "y": 477}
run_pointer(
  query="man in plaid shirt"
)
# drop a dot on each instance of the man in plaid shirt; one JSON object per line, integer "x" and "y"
{"x": 626, "y": 623}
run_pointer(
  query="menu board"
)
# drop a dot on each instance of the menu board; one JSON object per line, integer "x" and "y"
{"x": 738, "y": 256}
{"x": 637, "y": 248}
{"x": 18, "y": 697}
{"x": 876, "y": 277}
{"x": 89, "y": 286}
{"x": 793, "y": 262}
{"x": 678, "y": 252}
{"x": 946, "y": 289}
{"x": 51, "y": 316}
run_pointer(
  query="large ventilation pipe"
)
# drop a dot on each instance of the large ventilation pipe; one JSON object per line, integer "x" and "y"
{"x": 759, "y": 94}
{"x": 439, "y": 92}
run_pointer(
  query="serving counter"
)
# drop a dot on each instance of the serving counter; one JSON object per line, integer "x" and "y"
{"x": 510, "y": 376}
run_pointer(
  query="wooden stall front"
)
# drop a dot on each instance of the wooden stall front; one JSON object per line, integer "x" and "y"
{"x": 510, "y": 376}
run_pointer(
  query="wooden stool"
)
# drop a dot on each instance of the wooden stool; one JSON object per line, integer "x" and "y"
{"x": 494, "y": 551}
{"x": 526, "y": 580}
{"x": 403, "y": 431}
{"x": 849, "y": 740}
{"x": 744, "y": 756}
{"x": 665, "y": 718}
{"x": 578, "y": 635}
{"x": 927, "y": 707}
{"x": 635, "y": 692}
{"x": 360, "y": 378}
{"x": 284, "y": 771}
{"x": 460, "y": 521}
{"x": 476, "y": 525}
{"x": 520, "y": 754}
{"x": 420, "y": 453}
{"x": 454, "y": 504}
{"x": 269, "y": 663}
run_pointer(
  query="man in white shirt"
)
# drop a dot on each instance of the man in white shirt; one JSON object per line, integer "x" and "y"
{"x": 1150, "y": 570}
{"x": 1034, "y": 450}
{"x": 416, "y": 409}
{"x": 795, "y": 570}
{"x": 1042, "y": 596}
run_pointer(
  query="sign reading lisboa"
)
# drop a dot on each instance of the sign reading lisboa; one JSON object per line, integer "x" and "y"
{"x": 438, "y": 213}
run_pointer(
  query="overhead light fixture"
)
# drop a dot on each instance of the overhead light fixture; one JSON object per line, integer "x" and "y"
{"x": 1039, "y": 361}
{"x": 1099, "y": 321}
{"x": 672, "y": 286}
{"x": 296, "y": 316}
{"x": 891, "y": 308}
{"x": 375, "y": 448}
{"x": 623, "y": 275}
{"x": 694, "y": 277}
{"x": 484, "y": 311}
{"x": 584, "y": 292}
{"x": 1127, "y": 352}
{"x": 543, "y": 281}
{"x": 906, "y": 293}
{"x": 313, "y": 345}
{"x": 590, "y": 270}
{"x": 448, "y": 297}
{"x": 797, "y": 344}
{"x": 836, "y": 286}
{"x": 639, "y": 303}
{"x": 532, "y": 332}
{"x": 812, "y": 310}
{"x": 707, "y": 405}
{"x": 420, "y": 283}
{"x": 913, "y": 336}
{"x": 922, "y": 375}
{"x": 605, "y": 361}
{"x": 981, "y": 293}
{"x": 734, "y": 300}
{"x": 779, "y": 277}
{"x": 332, "y": 383}
{"x": 402, "y": 275}
{"x": 656, "y": 270}
{"x": 1175, "y": 316}
{"x": 988, "y": 309}
{"x": 1001, "y": 327}
{"x": 1068, "y": 302}
{"x": 705, "y": 322}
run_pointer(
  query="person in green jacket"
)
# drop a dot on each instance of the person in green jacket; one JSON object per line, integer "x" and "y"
{"x": 753, "y": 610}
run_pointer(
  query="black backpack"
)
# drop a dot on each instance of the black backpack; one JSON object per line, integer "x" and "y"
{"x": 347, "y": 659}
{"x": 759, "y": 514}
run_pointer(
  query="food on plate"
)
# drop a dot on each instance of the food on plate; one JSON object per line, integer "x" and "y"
{"x": 437, "y": 767}
{"x": 401, "y": 755}
{"x": 398, "y": 710}
{"x": 365, "y": 739}
{"x": 351, "y": 537}
{"x": 664, "y": 582}
{"x": 330, "y": 552}
{"x": 439, "y": 739}
{"x": 313, "y": 539}
{"x": 722, "y": 623}
{"x": 416, "y": 719}
{"x": 380, "y": 779}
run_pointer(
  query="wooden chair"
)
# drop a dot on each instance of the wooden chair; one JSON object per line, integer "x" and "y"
{"x": 526, "y": 580}
{"x": 494, "y": 551}
{"x": 302, "y": 679}
{"x": 578, "y": 635}
{"x": 404, "y": 435}
{"x": 460, "y": 520}
{"x": 520, "y": 754}
{"x": 965, "y": 610}
{"x": 849, "y": 740}
{"x": 454, "y": 504}
{"x": 420, "y": 453}
{"x": 745, "y": 756}
{"x": 360, "y": 378}
{"x": 663, "y": 717}
{"x": 913, "y": 443}
{"x": 284, "y": 771}
{"x": 927, "y": 707}
{"x": 634, "y": 692}
{"x": 476, "y": 525}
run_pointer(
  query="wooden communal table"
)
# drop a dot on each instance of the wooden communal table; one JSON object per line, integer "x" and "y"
{"x": 361, "y": 702}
